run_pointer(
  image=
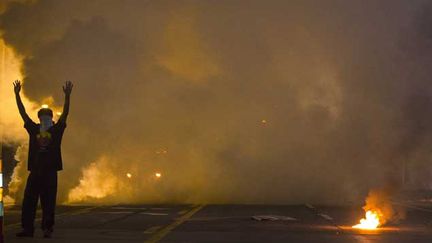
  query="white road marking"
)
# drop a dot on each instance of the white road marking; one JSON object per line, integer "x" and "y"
{"x": 273, "y": 218}
{"x": 309, "y": 206}
{"x": 325, "y": 216}
{"x": 182, "y": 212}
{"x": 129, "y": 208}
{"x": 154, "y": 214}
{"x": 119, "y": 212}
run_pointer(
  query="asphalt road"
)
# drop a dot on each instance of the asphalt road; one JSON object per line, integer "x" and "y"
{"x": 222, "y": 223}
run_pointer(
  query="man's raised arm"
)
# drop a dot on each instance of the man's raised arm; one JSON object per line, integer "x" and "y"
{"x": 67, "y": 89}
{"x": 21, "y": 108}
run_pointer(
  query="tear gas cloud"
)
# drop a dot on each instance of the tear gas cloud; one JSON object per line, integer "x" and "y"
{"x": 257, "y": 102}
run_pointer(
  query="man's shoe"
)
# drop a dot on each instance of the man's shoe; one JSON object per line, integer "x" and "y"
{"x": 47, "y": 233}
{"x": 24, "y": 234}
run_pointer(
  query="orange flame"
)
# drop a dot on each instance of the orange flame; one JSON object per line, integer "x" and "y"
{"x": 370, "y": 222}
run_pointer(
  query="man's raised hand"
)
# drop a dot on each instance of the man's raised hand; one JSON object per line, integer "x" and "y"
{"x": 67, "y": 88}
{"x": 17, "y": 86}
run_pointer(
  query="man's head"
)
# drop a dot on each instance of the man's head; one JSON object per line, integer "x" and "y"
{"x": 45, "y": 117}
{"x": 45, "y": 112}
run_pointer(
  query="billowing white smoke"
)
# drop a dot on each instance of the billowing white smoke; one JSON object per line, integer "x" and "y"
{"x": 98, "y": 181}
{"x": 11, "y": 124}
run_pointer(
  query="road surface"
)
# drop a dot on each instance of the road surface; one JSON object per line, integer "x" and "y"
{"x": 221, "y": 223}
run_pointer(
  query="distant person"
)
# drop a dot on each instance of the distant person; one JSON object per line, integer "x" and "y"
{"x": 44, "y": 160}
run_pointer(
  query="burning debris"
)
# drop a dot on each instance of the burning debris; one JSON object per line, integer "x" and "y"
{"x": 379, "y": 210}
{"x": 370, "y": 222}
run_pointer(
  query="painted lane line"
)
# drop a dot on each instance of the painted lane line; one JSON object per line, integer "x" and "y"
{"x": 167, "y": 229}
{"x": 309, "y": 206}
{"x": 273, "y": 218}
{"x": 123, "y": 217}
{"x": 152, "y": 229}
{"x": 326, "y": 216}
{"x": 117, "y": 212}
{"x": 129, "y": 208}
{"x": 154, "y": 214}
{"x": 182, "y": 212}
{"x": 82, "y": 211}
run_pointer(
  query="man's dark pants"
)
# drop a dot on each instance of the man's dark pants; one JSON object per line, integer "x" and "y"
{"x": 41, "y": 185}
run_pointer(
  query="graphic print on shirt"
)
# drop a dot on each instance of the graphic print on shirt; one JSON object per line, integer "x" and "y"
{"x": 44, "y": 140}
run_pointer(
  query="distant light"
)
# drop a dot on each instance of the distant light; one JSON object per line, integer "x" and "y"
{"x": 129, "y": 175}
{"x": 45, "y": 106}
{"x": 264, "y": 121}
{"x": 59, "y": 113}
{"x": 161, "y": 151}
{"x": 158, "y": 175}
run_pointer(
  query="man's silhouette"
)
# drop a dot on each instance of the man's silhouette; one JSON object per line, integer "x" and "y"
{"x": 44, "y": 160}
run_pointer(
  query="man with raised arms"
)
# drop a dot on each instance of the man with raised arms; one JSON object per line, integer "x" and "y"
{"x": 44, "y": 160}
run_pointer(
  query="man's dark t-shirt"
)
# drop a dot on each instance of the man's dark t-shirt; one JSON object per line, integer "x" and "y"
{"x": 45, "y": 147}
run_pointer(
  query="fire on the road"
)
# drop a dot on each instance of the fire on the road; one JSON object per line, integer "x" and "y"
{"x": 379, "y": 209}
{"x": 370, "y": 222}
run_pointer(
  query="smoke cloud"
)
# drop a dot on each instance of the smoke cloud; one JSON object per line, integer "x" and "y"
{"x": 257, "y": 102}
